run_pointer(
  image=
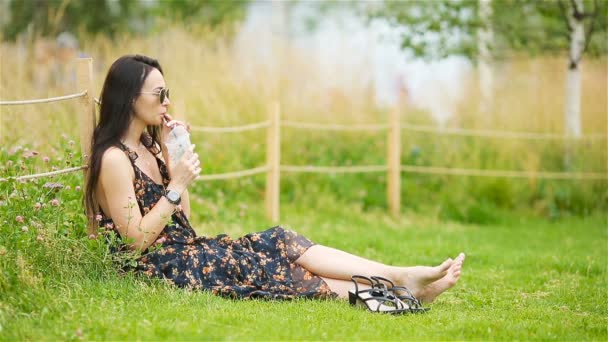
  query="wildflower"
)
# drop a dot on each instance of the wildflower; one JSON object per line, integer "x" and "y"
{"x": 19, "y": 219}
{"x": 71, "y": 142}
{"x": 46, "y": 159}
{"x": 92, "y": 237}
{"x": 29, "y": 154}
{"x": 38, "y": 205}
{"x": 55, "y": 202}
{"x": 77, "y": 188}
{"x": 9, "y": 163}
{"x": 15, "y": 150}
{"x": 40, "y": 237}
{"x": 67, "y": 187}
{"x": 54, "y": 186}
{"x": 24, "y": 229}
{"x": 98, "y": 218}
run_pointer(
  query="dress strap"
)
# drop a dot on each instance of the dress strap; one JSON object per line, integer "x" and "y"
{"x": 130, "y": 153}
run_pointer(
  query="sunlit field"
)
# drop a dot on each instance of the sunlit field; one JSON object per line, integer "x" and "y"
{"x": 536, "y": 267}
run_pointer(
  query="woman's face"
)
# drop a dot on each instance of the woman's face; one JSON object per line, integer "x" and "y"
{"x": 148, "y": 107}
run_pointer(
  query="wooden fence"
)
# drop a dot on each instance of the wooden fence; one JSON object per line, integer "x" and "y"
{"x": 273, "y": 167}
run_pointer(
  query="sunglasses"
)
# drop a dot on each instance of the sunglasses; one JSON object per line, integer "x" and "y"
{"x": 162, "y": 94}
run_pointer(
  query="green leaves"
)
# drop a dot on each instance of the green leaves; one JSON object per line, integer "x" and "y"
{"x": 436, "y": 29}
{"x": 111, "y": 17}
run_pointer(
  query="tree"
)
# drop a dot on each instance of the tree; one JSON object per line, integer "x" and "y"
{"x": 49, "y": 17}
{"x": 109, "y": 17}
{"x": 436, "y": 29}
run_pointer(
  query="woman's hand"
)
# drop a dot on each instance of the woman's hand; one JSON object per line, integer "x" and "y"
{"x": 185, "y": 171}
{"x": 169, "y": 124}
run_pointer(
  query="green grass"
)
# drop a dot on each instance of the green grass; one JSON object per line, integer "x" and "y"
{"x": 523, "y": 279}
{"x": 537, "y": 249}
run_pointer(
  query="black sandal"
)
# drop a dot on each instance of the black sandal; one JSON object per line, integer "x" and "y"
{"x": 406, "y": 295}
{"x": 376, "y": 299}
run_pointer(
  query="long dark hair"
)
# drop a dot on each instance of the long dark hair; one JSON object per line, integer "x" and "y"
{"x": 120, "y": 89}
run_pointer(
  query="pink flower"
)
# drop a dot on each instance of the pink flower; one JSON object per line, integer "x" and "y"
{"x": 19, "y": 219}
{"x": 15, "y": 150}
{"x": 98, "y": 218}
{"x": 46, "y": 159}
{"x": 38, "y": 205}
{"x": 40, "y": 237}
{"x": 55, "y": 202}
{"x": 92, "y": 237}
{"x": 24, "y": 229}
{"x": 29, "y": 154}
{"x": 77, "y": 188}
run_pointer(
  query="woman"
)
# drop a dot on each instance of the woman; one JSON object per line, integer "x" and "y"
{"x": 145, "y": 200}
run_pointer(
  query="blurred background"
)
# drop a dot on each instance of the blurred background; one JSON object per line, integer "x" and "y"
{"x": 494, "y": 85}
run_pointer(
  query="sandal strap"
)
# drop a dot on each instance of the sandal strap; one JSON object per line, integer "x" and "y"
{"x": 398, "y": 305}
{"x": 409, "y": 296}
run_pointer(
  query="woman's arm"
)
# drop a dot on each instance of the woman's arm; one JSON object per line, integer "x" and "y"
{"x": 116, "y": 180}
{"x": 185, "y": 202}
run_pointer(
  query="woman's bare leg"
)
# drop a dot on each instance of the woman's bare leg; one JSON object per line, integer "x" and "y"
{"x": 335, "y": 264}
{"x": 341, "y": 287}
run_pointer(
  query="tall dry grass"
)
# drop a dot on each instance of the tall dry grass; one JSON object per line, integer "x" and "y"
{"x": 209, "y": 87}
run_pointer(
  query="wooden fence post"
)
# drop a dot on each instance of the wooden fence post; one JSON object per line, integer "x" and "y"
{"x": 394, "y": 161}
{"x": 273, "y": 158}
{"x": 86, "y": 118}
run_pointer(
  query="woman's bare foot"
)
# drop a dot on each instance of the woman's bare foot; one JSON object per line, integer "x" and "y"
{"x": 426, "y": 282}
{"x": 417, "y": 277}
{"x": 429, "y": 292}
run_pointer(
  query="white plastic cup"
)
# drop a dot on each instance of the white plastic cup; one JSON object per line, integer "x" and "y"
{"x": 177, "y": 143}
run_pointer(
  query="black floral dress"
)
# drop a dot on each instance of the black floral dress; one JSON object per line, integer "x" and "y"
{"x": 257, "y": 265}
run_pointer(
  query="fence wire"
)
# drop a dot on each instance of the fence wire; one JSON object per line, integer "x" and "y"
{"x": 236, "y": 174}
{"x": 504, "y": 173}
{"x": 44, "y": 174}
{"x": 334, "y": 169}
{"x": 47, "y": 100}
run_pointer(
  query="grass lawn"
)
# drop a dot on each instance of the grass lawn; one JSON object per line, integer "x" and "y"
{"x": 527, "y": 279}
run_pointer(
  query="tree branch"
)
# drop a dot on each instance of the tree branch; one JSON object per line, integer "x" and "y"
{"x": 593, "y": 15}
{"x": 577, "y": 15}
{"x": 562, "y": 9}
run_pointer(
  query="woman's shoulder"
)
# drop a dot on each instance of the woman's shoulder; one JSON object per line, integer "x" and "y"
{"x": 114, "y": 155}
{"x": 115, "y": 159}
